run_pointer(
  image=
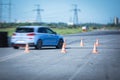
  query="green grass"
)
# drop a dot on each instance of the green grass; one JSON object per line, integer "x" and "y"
{"x": 64, "y": 31}
{"x": 9, "y": 30}
{"x": 61, "y": 31}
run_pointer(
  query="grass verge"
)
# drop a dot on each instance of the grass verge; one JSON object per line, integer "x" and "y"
{"x": 61, "y": 31}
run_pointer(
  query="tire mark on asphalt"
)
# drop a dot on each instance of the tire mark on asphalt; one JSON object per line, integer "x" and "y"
{"x": 88, "y": 58}
{"x": 74, "y": 41}
{"x": 58, "y": 57}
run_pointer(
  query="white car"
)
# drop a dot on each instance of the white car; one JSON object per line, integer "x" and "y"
{"x": 36, "y": 36}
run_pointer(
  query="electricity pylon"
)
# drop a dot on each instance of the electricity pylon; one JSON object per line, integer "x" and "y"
{"x": 1, "y": 10}
{"x": 75, "y": 17}
{"x": 38, "y": 17}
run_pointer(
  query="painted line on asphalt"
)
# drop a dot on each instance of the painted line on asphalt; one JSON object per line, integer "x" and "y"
{"x": 10, "y": 56}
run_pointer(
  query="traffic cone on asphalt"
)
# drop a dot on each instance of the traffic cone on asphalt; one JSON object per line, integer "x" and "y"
{"x": 94, "y": 49}
{"x": 97, "y": 42}
{"x": 64, "y": 47}
{"x": 27, "y": 48}
{"x": 81, "y": 43}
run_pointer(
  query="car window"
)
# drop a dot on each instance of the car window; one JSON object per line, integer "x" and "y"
{"x": 49, "y": 31}
{"x": 41, "y": 30}
{"x": 24, "y": 30}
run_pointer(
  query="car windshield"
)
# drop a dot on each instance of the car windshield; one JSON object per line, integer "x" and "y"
{"x": 24, "y": 30}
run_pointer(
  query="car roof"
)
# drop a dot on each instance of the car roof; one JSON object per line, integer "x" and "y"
{"x": 32, "y": 27}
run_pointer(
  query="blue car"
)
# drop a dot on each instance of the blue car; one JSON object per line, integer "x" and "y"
{"x": 36, "y": 36}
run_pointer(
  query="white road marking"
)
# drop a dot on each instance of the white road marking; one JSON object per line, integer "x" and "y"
{"x": 10, "y": 56}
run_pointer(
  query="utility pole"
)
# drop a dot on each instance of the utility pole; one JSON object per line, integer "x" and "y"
{"x": 75, "y": 17}
{"x": 9, "y": 15}
{"x": 38, "y": 17}
{"x": 1, "y": 5}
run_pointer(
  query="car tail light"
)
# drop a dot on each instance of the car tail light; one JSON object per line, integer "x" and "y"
{"x": 31, "y": 34}
{"x": 13, "y": 34}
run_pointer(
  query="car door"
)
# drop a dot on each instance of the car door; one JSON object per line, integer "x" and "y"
{"x": 43, "y": 36}
{"x": 51, "y": 37}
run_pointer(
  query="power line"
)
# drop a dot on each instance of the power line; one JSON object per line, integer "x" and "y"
{"x": 38, "y": 10}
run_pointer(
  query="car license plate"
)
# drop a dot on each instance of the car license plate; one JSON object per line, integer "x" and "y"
{"x": 20, "y": 41}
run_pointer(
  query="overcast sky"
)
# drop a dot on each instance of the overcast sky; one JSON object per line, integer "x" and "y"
{"x": 91, "y": 11}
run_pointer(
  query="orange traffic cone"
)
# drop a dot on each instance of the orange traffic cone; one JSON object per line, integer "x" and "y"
{"x": 27, "y": 48}
{"x": 97, "y": 42}
{"x": 94, "y": 49}
{"x": 63, "y": 48}
{"x": 81, "y": 43}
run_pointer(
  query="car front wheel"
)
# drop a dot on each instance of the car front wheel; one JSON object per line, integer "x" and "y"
{"x": 15, "y": 47}
{"x": 60, "y": 43}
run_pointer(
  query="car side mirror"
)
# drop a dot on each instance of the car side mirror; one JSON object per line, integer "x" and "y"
{"x": 54, "y": 33}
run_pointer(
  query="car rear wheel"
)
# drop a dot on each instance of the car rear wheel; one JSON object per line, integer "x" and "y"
{"x": 60, "y": 43}
{"x": 39, "y": 44}
{"x": 15, "y": 47}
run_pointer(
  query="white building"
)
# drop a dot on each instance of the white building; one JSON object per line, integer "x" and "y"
{"x": 116, "y": 21}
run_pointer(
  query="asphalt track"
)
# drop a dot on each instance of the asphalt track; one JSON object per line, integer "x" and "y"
{"x": 79, "y": 63}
